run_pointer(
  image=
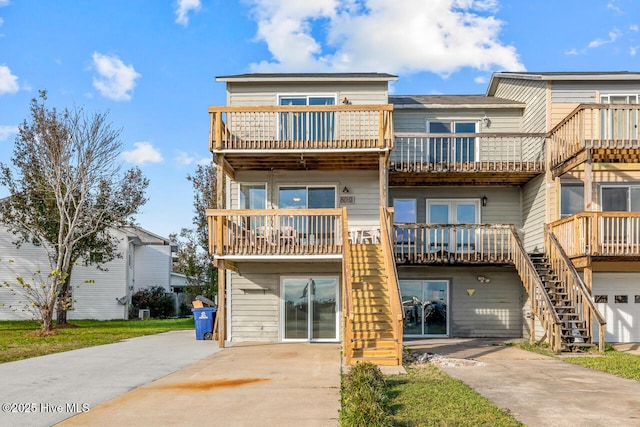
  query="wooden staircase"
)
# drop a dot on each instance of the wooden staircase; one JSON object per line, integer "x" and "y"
{"x": 575, "y": 332}
{"x": 371, "y": 326}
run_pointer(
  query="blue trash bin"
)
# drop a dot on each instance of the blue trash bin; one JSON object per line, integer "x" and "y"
{"x": 203, "y": 319}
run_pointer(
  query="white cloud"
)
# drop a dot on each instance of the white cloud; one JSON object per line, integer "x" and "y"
{"x": 7, "y": 131}
{"x": 633, "y": 50}
{"x": 613, "y": 36}
{"x": 115, "y": 80}
{"x": 634, "y": 28}
{"x": 613, "y": 6}
{"x": 182, "y": 10}
{"x": 4, "y": 3}
{"x": 183, "y": 158}
{"x": 143, "y": 153}
{"x": 204, "y": 161}
{"x": 8, "y": 82}
{"x": 481, "y": 80}
{"x": 572, "y": 52}
{"x": 440, "y": 36}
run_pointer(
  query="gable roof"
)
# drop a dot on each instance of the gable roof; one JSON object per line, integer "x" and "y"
{"x": 561, "y": 75}
{"x": 451, "y": 101}
{"x": 288, "y": 77}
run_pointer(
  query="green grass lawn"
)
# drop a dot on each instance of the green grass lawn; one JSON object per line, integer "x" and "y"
{"x": 18, "y": 342}
{"x": 625, "y": 365}
{"x": 429, "y": 397}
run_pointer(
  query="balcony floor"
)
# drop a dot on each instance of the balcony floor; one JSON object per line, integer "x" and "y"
{"x": 264, "y": 161}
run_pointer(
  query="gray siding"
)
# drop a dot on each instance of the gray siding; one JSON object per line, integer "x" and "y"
{"x": 495, "y": 308}
{"x": 502, "y": 120}
{"x": 533, "y": 214}
{"x": 152, "y": 266}
{"x": 503, "y": 206}
{"x": 255, "y": 297}
{"x": 589, "y": 91}
{"x": 358, "y": 93}
{"x": 362, "y": 185}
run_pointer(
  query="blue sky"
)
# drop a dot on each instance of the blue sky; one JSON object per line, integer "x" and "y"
{"x": 152, "y": 64}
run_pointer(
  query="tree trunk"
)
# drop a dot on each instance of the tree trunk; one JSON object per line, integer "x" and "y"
{"x": 63, "y": 300}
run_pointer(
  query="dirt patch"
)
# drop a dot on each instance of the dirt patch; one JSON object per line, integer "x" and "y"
{"x": 41, "y": 333}
{"x": 210, "y": 385}
{"x": 438, "y": 360}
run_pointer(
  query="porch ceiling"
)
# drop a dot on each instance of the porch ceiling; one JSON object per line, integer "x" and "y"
{"x": 510, "y": 179}
{"x": 304, "y": 161}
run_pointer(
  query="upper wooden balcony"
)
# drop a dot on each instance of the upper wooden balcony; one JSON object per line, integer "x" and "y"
{"x": 599, "y": 236}
{"x": 454, "y": 243}
{"x": 264, "y": 234}
{"x": 466, "y": 158}
{"x": 604, "y": 133}
{"x": 316, "y": 137}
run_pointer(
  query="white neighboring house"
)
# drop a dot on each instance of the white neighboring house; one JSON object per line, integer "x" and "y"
{"x": 100, "y": 294}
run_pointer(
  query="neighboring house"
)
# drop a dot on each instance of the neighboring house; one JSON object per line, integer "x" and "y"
{"x": 355, "y": 216}
{"x": 144, "y": 260}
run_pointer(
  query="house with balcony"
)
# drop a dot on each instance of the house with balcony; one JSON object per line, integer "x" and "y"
{"x": 347, "y": 214}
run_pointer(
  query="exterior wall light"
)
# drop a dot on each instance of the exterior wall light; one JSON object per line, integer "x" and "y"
{"x": 484, "y": 200}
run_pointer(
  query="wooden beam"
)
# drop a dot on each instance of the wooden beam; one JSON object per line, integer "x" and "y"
{"x": 383, "y": 179}
{"x": 570, "y": 164}
{"x": 221, "y": 313}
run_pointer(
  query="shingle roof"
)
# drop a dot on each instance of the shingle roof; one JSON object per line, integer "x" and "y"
{"x": 449, "y": 101}
{"x": 306, "y": 76}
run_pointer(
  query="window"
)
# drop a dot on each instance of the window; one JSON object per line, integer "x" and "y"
{"x": 404, "y": 213}
{"x": 619, "y": 123}
{"x": 307, "y": 125}
{"x": 307, "y": 197}
{"x": 571, "y": 199}
{"x": 253, "y": 196}
{"x": 600, "y": 299}
{"x": 621, "y": 299}
{"x": 443, "y": 149}
{"x": 620, "y": 198}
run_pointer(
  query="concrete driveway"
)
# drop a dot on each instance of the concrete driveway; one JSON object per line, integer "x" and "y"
{"x": 44, "y": 390}
{"x": 538, "y": 390}
{"x": 244, "y": 385}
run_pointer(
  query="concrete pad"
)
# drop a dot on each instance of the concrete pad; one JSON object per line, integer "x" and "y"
{"x": 540, "y": 390}
{"x": 57, "y": 386}
{"x": 245, "y": 385}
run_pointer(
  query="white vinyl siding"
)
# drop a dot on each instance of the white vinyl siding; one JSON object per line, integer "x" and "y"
{"x": 533, "y": 214}
{"x": 152, "y": 266}
{"x": 255, "y": 297}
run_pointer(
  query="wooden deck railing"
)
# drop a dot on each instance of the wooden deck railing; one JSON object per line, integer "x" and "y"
{"x": 304, "y": 127}
{"x": 541, "y": 305}
{"x": 393, "y": 285}
{"x": 595, "y": 126}
{"x": 604, "y": 234}
{"x": 578, "y": 294}
{"x": 466, "y": 243}
{"x": 275, "y": 232}
{"x": 468, "y": 152}
{"x": 347, "y": 289}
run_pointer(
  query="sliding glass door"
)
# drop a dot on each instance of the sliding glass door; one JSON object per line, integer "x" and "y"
{"x": 310, "y": 308}
{"x": 425, "y": 304}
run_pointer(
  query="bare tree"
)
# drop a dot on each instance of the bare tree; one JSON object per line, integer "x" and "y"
{"x": 67, "y": 190}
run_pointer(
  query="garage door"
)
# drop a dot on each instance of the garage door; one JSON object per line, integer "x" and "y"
{"x": 617, "y": 296}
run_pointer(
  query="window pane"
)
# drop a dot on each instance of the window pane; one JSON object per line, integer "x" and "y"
{"x": 439, "y": 127}
{"x": 438, "y": 214}
{"x": 292, "y": 198}
{"x": 293, "y": 101}
{"x": 466, "y": 213}
{"x": 465, "y": 127}
{"x": 635, "y": 199}
{"x": 322, "y": 198}
{"x": 571, "y": 199}
{"x": 615, "y": 199}
{"x": 253, "y": 197}
{"x": 404, "y": 211}
{"x": 321, "y": 100}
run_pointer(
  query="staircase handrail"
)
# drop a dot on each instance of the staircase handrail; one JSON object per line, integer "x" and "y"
{"x": 347, "y": 302}
{"x": 576, "y": 283}
{"x": 532, "y": 281}
{"x": 397, "y": 313}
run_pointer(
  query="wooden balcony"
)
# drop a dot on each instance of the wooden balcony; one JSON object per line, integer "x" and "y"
{"x": 453, "y": 243}
{"x": 317, "y": 137}
{"x": 275, "y": 233}
{"x": 604, "y": 133}
{"x": 599, "y": 236}
{"x": 466, "y": 158}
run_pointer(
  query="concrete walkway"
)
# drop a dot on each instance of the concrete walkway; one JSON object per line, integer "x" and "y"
{"x": 244, "y": 385}
{"x": 48, "y": 389}
{"x": 539, "y": 390}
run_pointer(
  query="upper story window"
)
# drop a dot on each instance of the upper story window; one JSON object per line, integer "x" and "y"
{"x": 621, "y": 198}
{"x": 444, "y": 149}
{"x": 619, "y": 123}
{"x": 571, "y": 199}
{"x": 253, "y": 196}
{"x": 307, "y": 125}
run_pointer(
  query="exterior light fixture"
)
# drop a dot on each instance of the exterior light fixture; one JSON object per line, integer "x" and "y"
{"x": 345, "y": 190}
{"x": 484, "y": 200}
{"x": 486, "y": 121}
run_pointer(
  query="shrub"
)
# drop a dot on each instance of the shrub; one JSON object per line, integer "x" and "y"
{"x": 364, "y": 399}
{"x": 154, "y": 298}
